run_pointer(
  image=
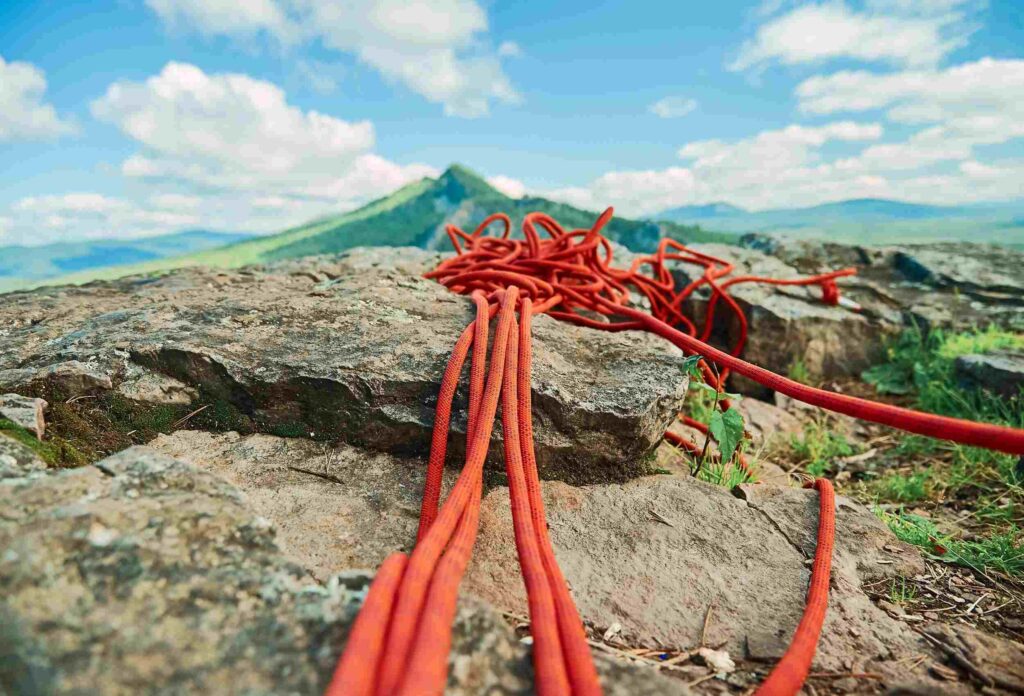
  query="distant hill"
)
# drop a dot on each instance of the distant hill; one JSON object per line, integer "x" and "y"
{"x": 415, "y": 215}
{"x": 33, "y": 264}
{"x": 866, "y": 220}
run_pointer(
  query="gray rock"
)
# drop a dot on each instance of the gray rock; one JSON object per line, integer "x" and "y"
{"x": 948, "y": 285}
{"x": 745, "y": 556}
{"x": 17, "y": 460}
{"x": 25, "y": 412}
{"x": 148, "y": 387}
{"x": 999, "y": 372}
{"x": 144, "y": 574}
{"x": 786, "y": 325}
{"x": 356, "y": 358}
{"x": 658, "y": 580}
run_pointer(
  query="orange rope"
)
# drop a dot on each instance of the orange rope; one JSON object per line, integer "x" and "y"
{"x": 410, "y": 606}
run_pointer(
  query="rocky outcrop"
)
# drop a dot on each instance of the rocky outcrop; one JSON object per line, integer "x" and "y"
{"x": 146, "y": 574}
{"x": 336, "y": 352}
{"x": 953, "y": 285}
{"x": 1000, "y": 373}
{"x": 651, "y": 555}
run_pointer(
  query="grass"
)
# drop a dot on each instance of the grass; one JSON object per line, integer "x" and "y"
{"x": 982, "y": 489}
{"x": 819, "y": 446}
{"x": 901, "y": 593}
{"x": 55, "y": 451}
{"x": 998, "y": 551}
{"x": 725, "y": 475}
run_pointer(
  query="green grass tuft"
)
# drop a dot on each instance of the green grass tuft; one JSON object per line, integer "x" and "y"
{"x": 1000, "y": 551}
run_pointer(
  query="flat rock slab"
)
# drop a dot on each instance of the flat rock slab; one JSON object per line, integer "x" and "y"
{"x": 146, "y": 574}
{"x": 744, "y": 556}
{"x": 335, "y": 349}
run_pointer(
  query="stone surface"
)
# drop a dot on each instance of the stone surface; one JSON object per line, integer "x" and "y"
{"x": 144, "y": 574}
{"x": 657, "y": 580}
{"x": 786, "y": 325}
{"x": 949, "y": 285}
{"x": 1000, "y": 372}
{"x": 25, "y": 412}
{"x": 988, "y": 661}
{"x": 747, "y": 557}
{"x": 356, "y": 357}
{"x": 16, "y": 460}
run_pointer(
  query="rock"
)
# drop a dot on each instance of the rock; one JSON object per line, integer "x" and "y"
{"x": 148, "y": 387}
{"x": 333, "y": 507}
{"x": 949, "y": 285}
{"x": 986, "y": 660}
{"x": 747, "y": 557}
{"x": 787, "y": 325}
{"x": 146, "y": 571}
{"x": 146, "y": 574}
{"x": 17, "y": 460}
{"x": 658, "y": 580}
{"x": 1000, "y": 372}
{"x": 357, "y": 358}
{"x": 24, "y": 412}
{"x": 68, "y": 378}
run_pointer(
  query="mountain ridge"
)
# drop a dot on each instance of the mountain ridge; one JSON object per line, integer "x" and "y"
{"x": 413, "y": 215}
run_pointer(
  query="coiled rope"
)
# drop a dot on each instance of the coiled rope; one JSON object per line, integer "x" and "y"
{"x": 399, "y": 643}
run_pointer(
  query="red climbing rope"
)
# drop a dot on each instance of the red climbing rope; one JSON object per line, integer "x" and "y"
{"x": 400, "y": 641}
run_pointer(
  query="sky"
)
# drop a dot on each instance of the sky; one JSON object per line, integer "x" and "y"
{"x": 126, "y": 118}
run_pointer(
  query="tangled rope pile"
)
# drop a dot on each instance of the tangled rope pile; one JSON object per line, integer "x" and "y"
{"x": 399, "y": 643}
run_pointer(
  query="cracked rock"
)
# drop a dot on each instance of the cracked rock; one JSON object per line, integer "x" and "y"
{"x": 355, "y": 358}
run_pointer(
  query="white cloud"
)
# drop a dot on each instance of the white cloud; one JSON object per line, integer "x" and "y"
{"x": 225, "y": 16}
{"x": 236, "y": 133}
{"x": 672, "y": 107}
{"x": 510, "y": 49}
{"x": 978, "y": 103}
{"x": 514, "y": 188}
{"x": 431, "y": 46}
{"x": 899, "y": 32}
{"x": 85, "y": 215}
{"x": 175, "y": 201}
{"x": 23, "y": 113}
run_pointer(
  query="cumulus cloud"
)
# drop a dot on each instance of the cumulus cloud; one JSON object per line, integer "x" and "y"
{"x": 672, "y": 107}
{"x": 23, "y": 113}
{"x": 233, "y": 132}
{"x": 87, "y": 215}
{"x": 514, "y": 188}
{"x": 895, "y": 31}
{"x": 433, "y": 47}
{"x": 226, "y": 16}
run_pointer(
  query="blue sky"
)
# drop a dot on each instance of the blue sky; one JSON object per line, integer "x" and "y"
{"x": 137, "y": 117}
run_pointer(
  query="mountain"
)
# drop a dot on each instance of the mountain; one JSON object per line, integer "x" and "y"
{"x": 414, "y": 215}
{"x": 32, "y": 264}
{"x": 854, "y": 210}
{"x": 702, "y": 212}
{"x": 866, "y": 220}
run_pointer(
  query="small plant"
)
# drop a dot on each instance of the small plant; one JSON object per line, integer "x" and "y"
{"x": 725, "y": 475}
{"x": 901, "y": 593}
{"x": 1002, "y": 552}
{"x": 798, "y": 371}
{"x": 819, "y": 446}
{"x": 902, "y": 488}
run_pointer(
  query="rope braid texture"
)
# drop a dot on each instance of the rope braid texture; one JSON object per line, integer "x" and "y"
{"x": 400, "y": 641}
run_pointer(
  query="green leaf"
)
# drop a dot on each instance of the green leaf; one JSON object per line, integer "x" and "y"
{"x": 711, "y": 390}
{"x": 690, "y": 366}
{"x": 727, "y": 429}
{"x": 888, "y": 378}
